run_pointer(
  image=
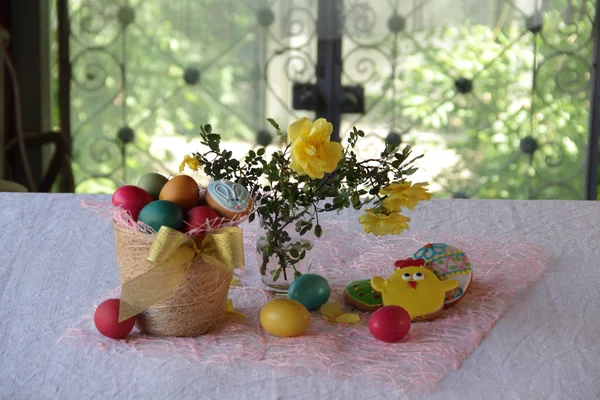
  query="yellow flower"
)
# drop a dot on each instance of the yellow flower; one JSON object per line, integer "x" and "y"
{"x": 404, "y": 195}
{"x": 380, "y": 224}
{"x": 191, "y": 163}
{"x": 312, "y": 152}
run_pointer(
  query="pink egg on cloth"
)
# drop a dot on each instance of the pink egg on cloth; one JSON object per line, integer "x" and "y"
{"x": 106, "y": 319}
{"x": 389, "y": 323}
{"x": 201, "y": 217}
{"x": 132, "y": 199}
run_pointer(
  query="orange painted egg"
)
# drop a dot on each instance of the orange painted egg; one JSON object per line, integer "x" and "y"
{"x": 182, "y": 190}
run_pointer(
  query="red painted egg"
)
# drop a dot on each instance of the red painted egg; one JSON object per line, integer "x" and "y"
{"x": 201, "y": 216}
{"x": 107, "y": 322}
{"x": 132, "y": 199}
{"x": 389, "y": 323}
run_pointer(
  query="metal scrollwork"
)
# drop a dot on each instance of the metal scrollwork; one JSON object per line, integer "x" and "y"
{"x": 299, "y": 67}
{"x": 298, "y": 26}
{"x": 92, "y": 18}
{"x": 106, "y": 152}
{"x": 572, "y": 39}
{"x": 554, "y": 158}
{"x": 365, "y": 64}
{"x": 360, "y": 23}
{"x": 293, "y": 56}
{"x": 560, "y": 70}
{"x": 360, "y": 18}
{"x": 379, "y": 40}
{"x": 92, "y": 66}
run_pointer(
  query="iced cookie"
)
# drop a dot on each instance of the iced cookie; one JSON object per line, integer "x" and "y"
{"x": 448, "y": 262}
{"x": 416, "y": 289}
{"x": 230, "y": 200}
{"x": 360, "y": 295}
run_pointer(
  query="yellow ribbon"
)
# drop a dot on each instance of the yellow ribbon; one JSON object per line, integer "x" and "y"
{"x": 172, "y": 253}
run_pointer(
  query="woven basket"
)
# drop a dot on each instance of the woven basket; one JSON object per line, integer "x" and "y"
{"x": 197, "y": 304}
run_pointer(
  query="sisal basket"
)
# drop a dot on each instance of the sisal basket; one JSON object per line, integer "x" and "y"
{"x": 196, "y": 306}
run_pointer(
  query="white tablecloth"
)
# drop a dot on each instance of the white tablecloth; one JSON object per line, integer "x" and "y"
{"x": 57, "y": 258}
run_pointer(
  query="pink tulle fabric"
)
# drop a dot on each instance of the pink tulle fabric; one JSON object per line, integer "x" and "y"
{"x": 502, "y": 268}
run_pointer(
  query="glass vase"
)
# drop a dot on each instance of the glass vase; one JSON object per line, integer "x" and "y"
{"x": 296, "y": 255}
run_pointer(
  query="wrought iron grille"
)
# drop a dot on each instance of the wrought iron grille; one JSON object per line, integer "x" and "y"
{"x": 499, "y": 101}
{"x": 495, "y": 92}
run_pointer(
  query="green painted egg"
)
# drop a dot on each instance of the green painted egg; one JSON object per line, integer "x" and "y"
{"x": 152, "y": 183}
{"x": 310, "y": 290}
{"x": 162, "y": 212}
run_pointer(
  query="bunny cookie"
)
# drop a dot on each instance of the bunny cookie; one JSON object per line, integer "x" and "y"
{"x": 230, "y": 200}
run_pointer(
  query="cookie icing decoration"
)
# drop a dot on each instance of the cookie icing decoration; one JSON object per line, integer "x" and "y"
{"x": 416, "y": 289}
{"x": 430, "y": 250}
{"x": 447, "y": 262}
{"x": 360, "y": 295}
{"x": 231, "y": 200}
{"x": 409, "y": 262}
{"x": 232, "y": 196}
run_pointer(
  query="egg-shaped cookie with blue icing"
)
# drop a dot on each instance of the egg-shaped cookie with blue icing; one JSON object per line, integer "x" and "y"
{"x": 448, "y": 262}
{"x": 230, "y": 200}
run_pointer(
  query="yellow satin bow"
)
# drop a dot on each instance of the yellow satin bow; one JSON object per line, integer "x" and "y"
{"x": 172, "y": 253}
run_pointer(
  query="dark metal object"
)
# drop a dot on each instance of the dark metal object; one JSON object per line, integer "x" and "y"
{"x": 126, "y": 134}
{"x": 353, "y": 99}
{"x": 328, "y": 97}
{"x": 535, "y": 22}
{"x": 463, "y": 85}
{"x": 396, "y": 23}
{"x": 58, "y": 163}
{"x": 329, "y": 63}
{"x": 31, "y": 60}
{"x": 460, "y": 195}
{"x": 126, "y": 15}
{"x": 64, "y": 90}
{"x": 528, "y": 145}
{"x": 191, "y": 75}
{"x": 264, "y": 138}
{"x": 393, "y": 139}
{"x": 265, "y": 17}
{"x": 591, "y": 176}
{"x": 306, "y": 97}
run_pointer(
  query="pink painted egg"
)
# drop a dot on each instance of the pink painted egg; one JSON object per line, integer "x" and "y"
{"x": 201, "y": 217}
{"x": 106, "y": 319}
{"x": 131, "y": 199}
{"x": 389, "y": 323}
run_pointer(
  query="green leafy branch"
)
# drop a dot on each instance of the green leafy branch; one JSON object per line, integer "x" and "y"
{"x": 283, "y": 197}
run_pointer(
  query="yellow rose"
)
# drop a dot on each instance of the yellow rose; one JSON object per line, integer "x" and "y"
{"x": 404, "y": 195}
{"x": 380, "y": 224}
{"x": 191, "y": 163}
{"x": 312, "y": 152}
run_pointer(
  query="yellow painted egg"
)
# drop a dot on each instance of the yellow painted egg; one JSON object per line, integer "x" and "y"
{"x": 182, "y": 190}
{"x": 284, "y": 317}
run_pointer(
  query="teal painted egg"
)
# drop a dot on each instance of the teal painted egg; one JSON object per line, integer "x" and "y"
{"x": 152, "y": 183}
{"x": 162, "y": 212}
{"x": 310, "y": 290}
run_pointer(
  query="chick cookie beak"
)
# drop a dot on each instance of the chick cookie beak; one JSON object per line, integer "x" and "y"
{"x": 412, "y": 284}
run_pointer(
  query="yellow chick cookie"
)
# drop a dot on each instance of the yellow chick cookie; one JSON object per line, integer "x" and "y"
{"x": 416, "y": 289}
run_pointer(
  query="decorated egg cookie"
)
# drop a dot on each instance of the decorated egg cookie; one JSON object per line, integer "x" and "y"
{"x": 230, "y": 200}
{"x": 447, "y": 262}
{"x": 360, "y": 295}
{"x": 416, "y": 289}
